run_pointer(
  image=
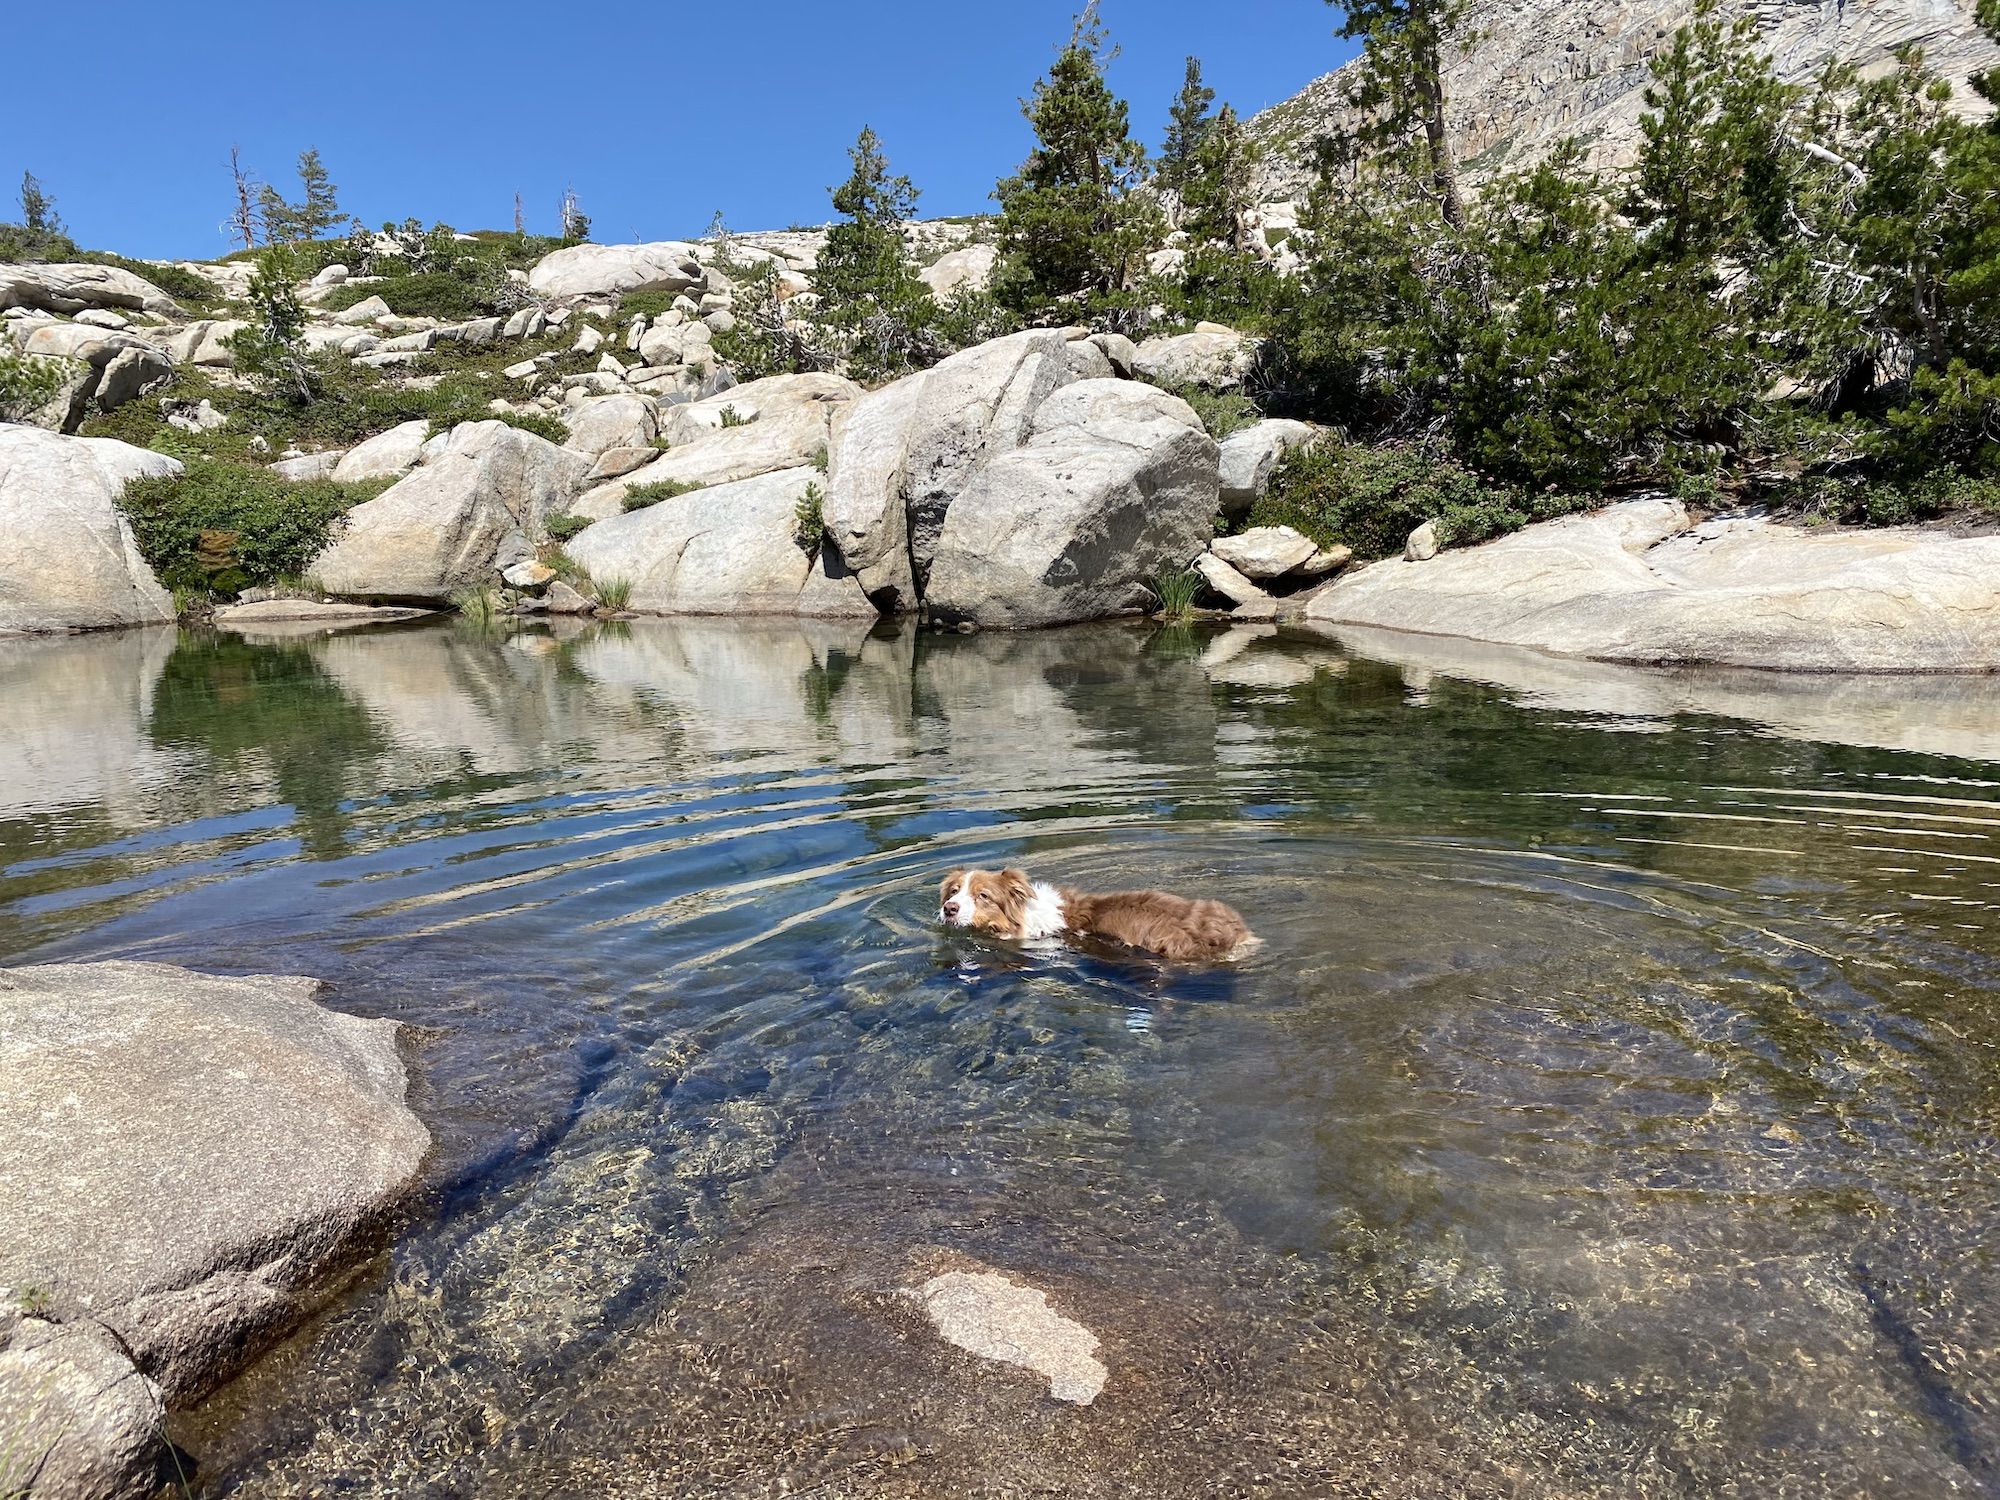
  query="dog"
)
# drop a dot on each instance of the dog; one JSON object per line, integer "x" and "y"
{"x": 1007, "y": 904}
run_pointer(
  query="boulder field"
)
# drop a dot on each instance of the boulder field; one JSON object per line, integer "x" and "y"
{"x": 188, "y": 1163}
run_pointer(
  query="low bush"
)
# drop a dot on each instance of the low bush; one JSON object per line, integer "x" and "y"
{"x": 217, "y": 528}
{"x": 27, "y": 383}
{"x": 640, "y": 496}
{"x": 445, "y": 295}
{"x": 1372, "y": 498}
{"x": 191, "y": 289}
{"x": 564, "y": 529}
{"x": 1221, "y": 412}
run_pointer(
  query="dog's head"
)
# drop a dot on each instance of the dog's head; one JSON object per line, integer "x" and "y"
{"x": 994, "y": 902}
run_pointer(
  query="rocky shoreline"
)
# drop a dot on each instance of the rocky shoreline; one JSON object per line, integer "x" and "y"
{"x": 1044, "y": 478}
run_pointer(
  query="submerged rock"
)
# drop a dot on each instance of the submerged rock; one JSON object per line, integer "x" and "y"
{"x": 984, "y": 1313}
{"x": 185, "y": 1159}
{"x": 68, "y": 560}
{"x": 1633, "y": 583}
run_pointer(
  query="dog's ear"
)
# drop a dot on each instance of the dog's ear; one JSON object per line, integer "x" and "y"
{"x": 1017, "y": 891}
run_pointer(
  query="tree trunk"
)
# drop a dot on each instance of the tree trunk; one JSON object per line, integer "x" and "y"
{"x": 1428, "y": 67}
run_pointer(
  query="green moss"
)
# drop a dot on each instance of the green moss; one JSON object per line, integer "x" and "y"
{"x": 218, "y": 528}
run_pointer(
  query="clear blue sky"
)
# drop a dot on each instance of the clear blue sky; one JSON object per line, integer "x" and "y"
{"x": 659, "y": 114}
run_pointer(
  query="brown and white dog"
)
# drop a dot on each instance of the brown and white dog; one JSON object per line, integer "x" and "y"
{"x": 1007, "y": 904}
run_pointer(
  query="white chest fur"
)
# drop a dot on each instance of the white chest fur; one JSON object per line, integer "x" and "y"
{"x": 1044, "y": 917}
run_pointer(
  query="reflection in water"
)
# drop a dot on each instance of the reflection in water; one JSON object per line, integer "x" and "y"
{"x": 1611, "y": 1110}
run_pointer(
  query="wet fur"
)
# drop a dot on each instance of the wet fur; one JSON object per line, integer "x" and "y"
{"x": 1004, "y": 904}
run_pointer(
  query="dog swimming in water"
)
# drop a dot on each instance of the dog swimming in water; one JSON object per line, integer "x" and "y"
{"x": 1007, "y": 904}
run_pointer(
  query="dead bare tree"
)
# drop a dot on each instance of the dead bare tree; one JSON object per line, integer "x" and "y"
{"x": 246, "y": 224}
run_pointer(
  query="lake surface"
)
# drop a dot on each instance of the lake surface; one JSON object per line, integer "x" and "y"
{"x": 1611, "y": 1110}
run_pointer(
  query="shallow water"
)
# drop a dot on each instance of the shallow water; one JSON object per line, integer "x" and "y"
{"x": 1610, "y": 1111}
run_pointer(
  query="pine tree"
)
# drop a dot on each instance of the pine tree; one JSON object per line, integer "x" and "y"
{"x": 1400, "y": 86}
{"x": 1220, "y": 190}
{"x": 318, "y": 213}
{"x": 1071, "y": 227}
{"x": 869, "y": 293}
{"x": 38, "y": 208}
{"x": 1188, "y": 125}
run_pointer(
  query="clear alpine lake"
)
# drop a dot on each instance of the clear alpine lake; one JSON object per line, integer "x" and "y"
{"x": 1611, "y": 1110}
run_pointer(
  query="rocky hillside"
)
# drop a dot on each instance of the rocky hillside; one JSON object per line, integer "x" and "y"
{"x": 1541, "y": 71}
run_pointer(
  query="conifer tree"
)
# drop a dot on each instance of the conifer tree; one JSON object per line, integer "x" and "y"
{"x": 1188, "y": 124}
{"x": 1071, "y": 228}
{"x": 38, "y": 208}
{"x": 318, "y": 213}
{"x": 869, "y": 293}
{"x": 1988, "y": 84}
{"x": 1400, "y": 85}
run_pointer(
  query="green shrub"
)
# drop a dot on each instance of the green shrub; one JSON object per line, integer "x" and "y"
{"x": 640, "y": 496}
{"x": 647, "y": 305}
{"x": 564, "y": 529}
{"x": 217, "y": 528}
{"x": 1221, "y": 412}
{"x": 1372, "y": 498}
{"x": 27, "y": 383}
{"x": 189, "y": 288}
{"x": 448, "y": 296}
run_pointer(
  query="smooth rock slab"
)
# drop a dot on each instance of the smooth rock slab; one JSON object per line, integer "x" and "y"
{"x": 1633, "y": 583}
{"x": 185, "y": 1159}
{"x": 984, "y": 1313}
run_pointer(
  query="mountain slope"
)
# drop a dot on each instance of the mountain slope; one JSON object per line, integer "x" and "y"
{"x": 1543, "y": 70}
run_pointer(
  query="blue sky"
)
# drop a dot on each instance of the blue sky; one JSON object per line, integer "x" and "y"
{"x": 658, "y": 114}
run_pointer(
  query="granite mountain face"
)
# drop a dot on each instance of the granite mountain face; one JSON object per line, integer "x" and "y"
{"x": 1540, "y": 71}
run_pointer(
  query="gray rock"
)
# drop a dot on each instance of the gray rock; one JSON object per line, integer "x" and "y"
{"x": 367, "y": 310}
{"x": 784, "y": 434}
{"x": 202, "y": 417}
{"x": 1424, "y": 543}
{"x": 438, "y": 530}
{"x": 612, "y": 270}
{"x": 81, "y": 1422}
{"x": 387, "y": 455}
{"x": 729, "y": 550}
{"x": 1265, "y": 551}
{"x": 1213, "y": 357}
{"x": 561, "y": 599}
{"x": 1118, "y": 481}
{"x": 528, "y": 575}
{"x": 1227, "y": 581}
{"x": 185, "y": 1159}
{"x": 1633, "y": 584}
{"x": 68, "y": 560}
{"x": 309, "y": 466}
{"x": 130, "y": 374}
{"x": 1251, "y": 456}
{"x": 967, "y": 270}
{"x": 1121, "y": 351}
{"x": 73, "y": 288}
{"x": 615, "y": 463}
{"x": 598, "y": 426}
